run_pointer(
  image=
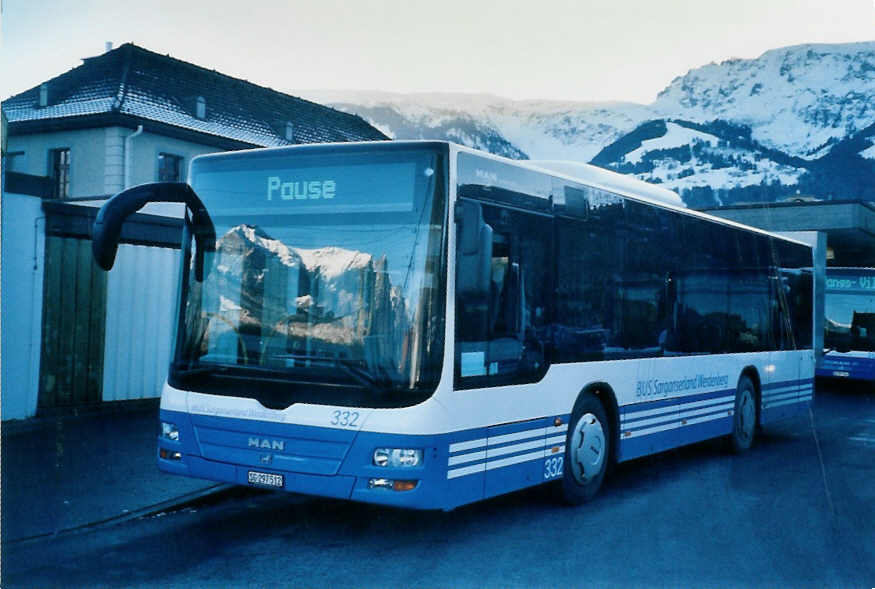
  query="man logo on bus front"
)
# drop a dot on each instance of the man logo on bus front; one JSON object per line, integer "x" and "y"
{"x": 267, "y": 444}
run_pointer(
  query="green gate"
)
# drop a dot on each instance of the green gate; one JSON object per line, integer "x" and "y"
{"x": 74, "y": 309}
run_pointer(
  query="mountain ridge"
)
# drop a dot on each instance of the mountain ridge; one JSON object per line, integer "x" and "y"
{"x": 776, "y": 121}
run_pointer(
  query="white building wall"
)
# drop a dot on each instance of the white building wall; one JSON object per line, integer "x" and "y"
{"x": 97, "y": 157}
{"x": 114, "y": 160}
{"x": 23, "y": 257}
{"x": 140, "y": 299}
{"x": 87, "y": 152}
{"x": 146, "y": 147}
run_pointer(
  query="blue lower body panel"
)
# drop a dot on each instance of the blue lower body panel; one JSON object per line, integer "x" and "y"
{"x": 847, "y": 366}
{"x": 318, "y": 461}
{"x": 457, "y": 468}
{"x": 654, "y": 426}
{"x": 194, "y": 466}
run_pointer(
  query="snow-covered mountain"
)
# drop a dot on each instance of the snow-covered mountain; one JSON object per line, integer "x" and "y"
{"x": 800, "y": 99}
{"x": 522, "y": 129}
{"x": 777, "y": 121}
{"x": 691, "y": 157}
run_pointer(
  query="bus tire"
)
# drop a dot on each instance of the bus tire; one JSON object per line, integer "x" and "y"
{"x": 587, "y": 450}
{"x": 744, "y": 418}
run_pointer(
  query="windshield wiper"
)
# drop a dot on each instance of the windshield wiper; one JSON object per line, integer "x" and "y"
{"x": 363, "y": 376}
{"x": 199, "y": 370}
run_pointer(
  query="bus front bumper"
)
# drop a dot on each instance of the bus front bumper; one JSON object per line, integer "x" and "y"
{"x": 302, "y": 459}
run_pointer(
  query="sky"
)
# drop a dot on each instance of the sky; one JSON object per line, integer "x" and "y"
{"x": 584, "y": 50}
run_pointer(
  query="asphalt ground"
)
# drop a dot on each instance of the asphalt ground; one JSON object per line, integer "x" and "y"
{"x": 798, "y": 510}
{"x": 76, "y": 470}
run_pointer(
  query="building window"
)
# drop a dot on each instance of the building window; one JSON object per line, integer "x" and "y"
{"x": 168, "y": 167}
{"x": 60, "y": 172}
{"x": 201, "y": 108}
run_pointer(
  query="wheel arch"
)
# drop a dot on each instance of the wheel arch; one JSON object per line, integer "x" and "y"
{"x": 754, "y": 375}
{"x": 605, "y": 394}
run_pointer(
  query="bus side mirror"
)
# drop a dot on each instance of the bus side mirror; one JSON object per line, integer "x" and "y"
{"x": 107, "y": 228}
{"x": 474, "y": 259}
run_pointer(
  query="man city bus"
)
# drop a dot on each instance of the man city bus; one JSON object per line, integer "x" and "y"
{"x": 424, "y": 325}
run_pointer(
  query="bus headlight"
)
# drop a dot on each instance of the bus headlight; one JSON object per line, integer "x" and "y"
{"x": 397, "y": 457}
{"x": 169, "y": 431}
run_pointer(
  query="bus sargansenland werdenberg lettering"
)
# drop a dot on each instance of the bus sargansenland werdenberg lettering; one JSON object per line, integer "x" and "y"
{"x": 424, "y": 325}
{"x": 850, "y": 324}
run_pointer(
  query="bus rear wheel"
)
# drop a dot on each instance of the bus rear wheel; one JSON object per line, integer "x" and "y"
{"x": 587, "y": 450}
{"x": 744, "y": 418}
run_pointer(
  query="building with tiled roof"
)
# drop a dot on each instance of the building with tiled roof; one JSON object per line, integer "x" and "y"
{"x": 83, "y": 128}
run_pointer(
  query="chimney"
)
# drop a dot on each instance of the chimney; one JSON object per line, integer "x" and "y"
{"x": 107, "y": 47}
{"x": 44, "y": 94}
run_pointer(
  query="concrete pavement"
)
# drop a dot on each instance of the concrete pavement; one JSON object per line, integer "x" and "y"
{"x": 69, "y": 471}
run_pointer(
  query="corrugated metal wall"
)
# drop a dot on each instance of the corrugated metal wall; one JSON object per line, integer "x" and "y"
{"x": 141, "y": 295}
{"x": 22, "y": 265}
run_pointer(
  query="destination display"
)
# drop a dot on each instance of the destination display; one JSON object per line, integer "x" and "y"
{"x": 850, "y": 282}
{"x": 361, "y": 188}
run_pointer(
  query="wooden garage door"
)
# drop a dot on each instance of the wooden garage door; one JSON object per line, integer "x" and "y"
{"x": 74, "y": 307}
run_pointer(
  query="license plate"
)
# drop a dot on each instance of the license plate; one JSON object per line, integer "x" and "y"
{"x": 265, "y": 479}
{"x": 841, "y": 373}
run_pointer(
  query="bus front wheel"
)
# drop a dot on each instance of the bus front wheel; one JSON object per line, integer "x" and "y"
{"x": 744, "y": 417}
{"x": 587, "y": 450}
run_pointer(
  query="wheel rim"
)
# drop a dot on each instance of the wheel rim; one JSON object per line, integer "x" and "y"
{"x": 587, "y": 448}
{"x": 746, "y": 415}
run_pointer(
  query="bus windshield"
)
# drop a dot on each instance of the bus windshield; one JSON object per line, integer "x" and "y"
{"x": 326, "y": 284}
{"x": 850, "y": 310}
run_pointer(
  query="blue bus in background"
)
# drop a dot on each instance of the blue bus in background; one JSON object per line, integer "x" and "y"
{"x": 850, "y": 324}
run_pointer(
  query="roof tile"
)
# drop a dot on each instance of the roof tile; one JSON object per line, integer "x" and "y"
{"x": 134, "y": 81}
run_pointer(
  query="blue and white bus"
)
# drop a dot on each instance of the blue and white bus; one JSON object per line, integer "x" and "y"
{"x": 850, "y": 324}
{"x": 423, "y": 325}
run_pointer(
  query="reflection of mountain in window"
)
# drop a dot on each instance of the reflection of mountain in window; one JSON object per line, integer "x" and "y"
{"x": 287, "y": 306}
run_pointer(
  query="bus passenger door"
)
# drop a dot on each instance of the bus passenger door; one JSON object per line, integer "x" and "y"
{"x": 502, "y": 315}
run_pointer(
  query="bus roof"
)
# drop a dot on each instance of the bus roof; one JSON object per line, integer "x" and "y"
{"x": 610, "y": 179}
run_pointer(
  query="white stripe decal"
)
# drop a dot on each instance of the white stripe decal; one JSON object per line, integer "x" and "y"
{"x": 469, "y": 445}
{"x": 863, "y": 439}
{"x": 650, "y": 430}
{"x": 556, "y": 440}
{"x": 515, "y": 460}
{"x": 542, "y": 447}
{"x": 683, "y": 415}
{"x": 789, "y": 402}
{"x": 782, "y": 389}
{"x": 703, "y": 419}
{"x": 772, "y": 400}
{"x": 681, "y": 405}
{"x": 465, "y": 470}
{"x": 529, "y": 433}
{"x": 672, "y": 425}
{"x": 493, "y": 452}
{"x": 469, "y": 457}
